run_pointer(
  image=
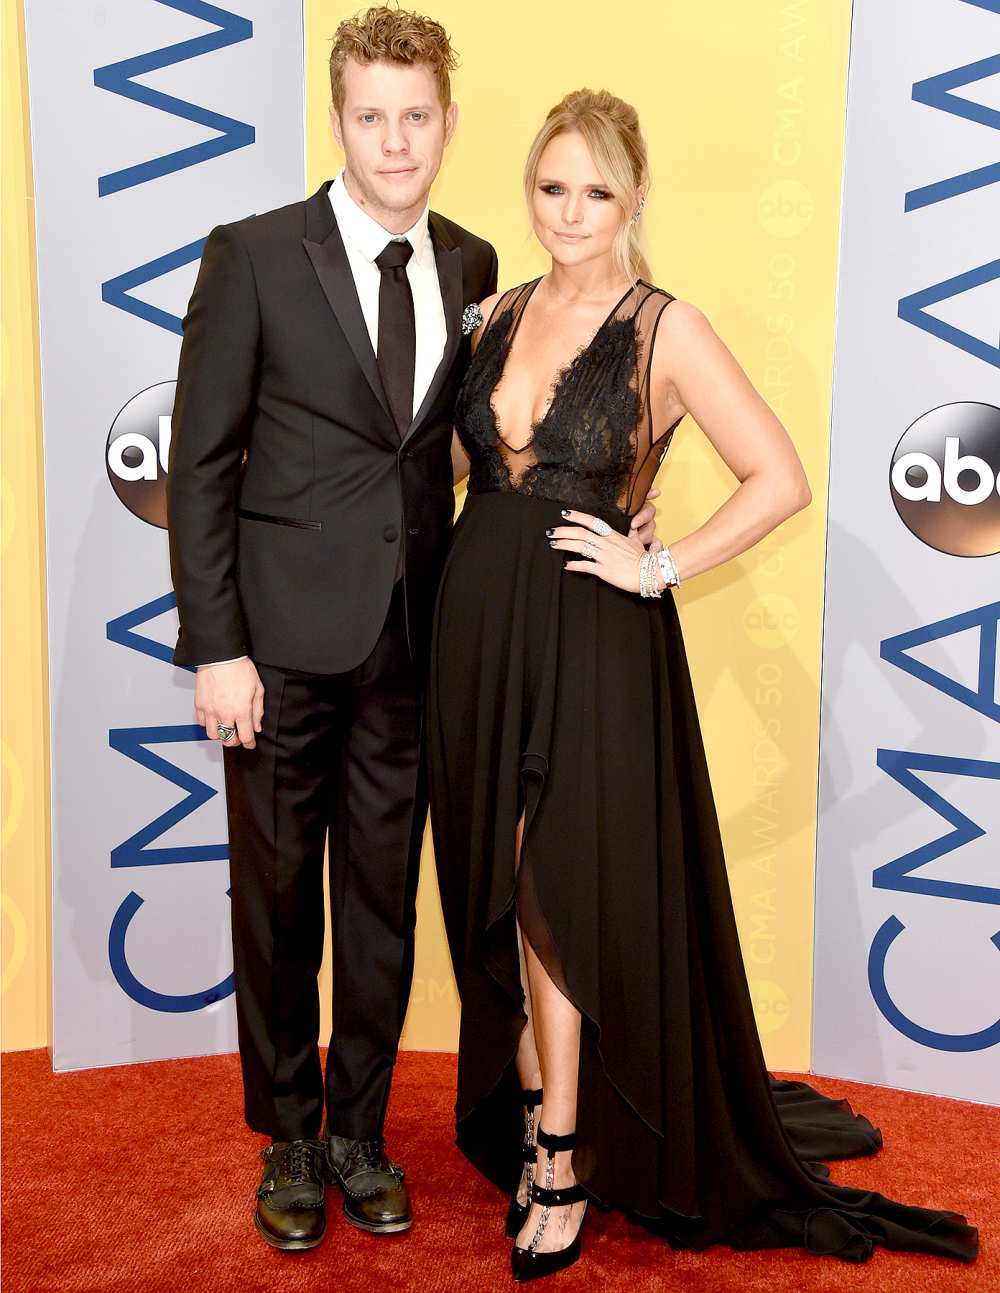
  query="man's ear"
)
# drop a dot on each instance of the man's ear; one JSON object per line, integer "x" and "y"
{"x": 338, "y": 132}
{"x": 450, "y": 121}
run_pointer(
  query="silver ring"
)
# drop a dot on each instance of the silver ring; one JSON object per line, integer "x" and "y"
{"x": 601, "y": 527}
{"x": 590, "y": 548}
{"x": 225, "y": 732}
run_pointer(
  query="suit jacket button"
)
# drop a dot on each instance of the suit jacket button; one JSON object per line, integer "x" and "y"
{"x": 390, "y": 534}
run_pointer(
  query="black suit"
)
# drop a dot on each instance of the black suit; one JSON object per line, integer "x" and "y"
{"x": 290, "y": 492}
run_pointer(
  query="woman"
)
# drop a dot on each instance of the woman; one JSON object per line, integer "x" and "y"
{"x": 608, "y": 1047}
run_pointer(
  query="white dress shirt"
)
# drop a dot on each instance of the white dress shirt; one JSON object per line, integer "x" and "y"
{"x": 364, "y": 239}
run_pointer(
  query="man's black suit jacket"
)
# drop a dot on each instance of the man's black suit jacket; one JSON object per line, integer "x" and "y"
{"x": 289, "y": 486}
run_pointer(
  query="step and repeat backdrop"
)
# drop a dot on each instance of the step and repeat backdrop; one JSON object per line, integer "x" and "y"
{"x": 150, "y": 123}
{"x": 154, "y": 120}
{"x": 907, "y": 950}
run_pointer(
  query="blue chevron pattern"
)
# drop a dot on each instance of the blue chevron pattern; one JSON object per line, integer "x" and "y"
{"x": 119, "y": 78}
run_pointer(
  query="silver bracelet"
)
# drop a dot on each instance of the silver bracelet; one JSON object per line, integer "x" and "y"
{"x": 668, "y": 568}
{"x": 648, "y": 586}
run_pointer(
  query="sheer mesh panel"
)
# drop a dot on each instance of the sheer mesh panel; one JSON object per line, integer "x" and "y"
{"x": 600, "y": 442}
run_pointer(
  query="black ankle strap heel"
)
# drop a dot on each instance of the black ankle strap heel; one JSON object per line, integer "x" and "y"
{"x": 528, "y": 1263}
{"x": 556, "y": 1143}
{"x": 517, "y": 1212}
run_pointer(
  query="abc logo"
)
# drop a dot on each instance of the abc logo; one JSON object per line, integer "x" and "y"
{"x": 771, "y": 621}
{"x": 770, "y": 1005}
{"x": 945, "y": 479}
{"x": 138, "y": 446}
{"x": 785, "y": 208}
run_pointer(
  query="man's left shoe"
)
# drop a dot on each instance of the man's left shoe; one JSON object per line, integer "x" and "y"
{"x": 375, "y": 1197}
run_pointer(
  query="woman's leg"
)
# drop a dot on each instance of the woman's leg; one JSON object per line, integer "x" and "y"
{"x": 554, "y": 1041}
{"x": 528, "y": 1070}
{"x": 527, "y": 1053}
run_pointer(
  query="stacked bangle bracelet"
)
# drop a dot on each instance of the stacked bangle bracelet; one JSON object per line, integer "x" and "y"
{"x": 649, "y": 585}
{"x": 668, "y": 568}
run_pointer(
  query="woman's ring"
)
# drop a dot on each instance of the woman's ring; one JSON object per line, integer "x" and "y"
{"x": 225, "y": 732}
{"x": 601, "y": 527}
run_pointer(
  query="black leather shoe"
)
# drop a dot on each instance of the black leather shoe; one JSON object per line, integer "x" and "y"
{"x": 290, "y": 1212}
{"x": 375, "y": 1197}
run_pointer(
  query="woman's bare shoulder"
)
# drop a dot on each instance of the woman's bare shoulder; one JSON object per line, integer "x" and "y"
{"x": 488, "y": 304}
{"x": 684, "y": 334}
{"x": 682, "y": 318}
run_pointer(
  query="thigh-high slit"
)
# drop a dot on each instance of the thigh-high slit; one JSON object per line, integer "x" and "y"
{"x": 555, "y": 694}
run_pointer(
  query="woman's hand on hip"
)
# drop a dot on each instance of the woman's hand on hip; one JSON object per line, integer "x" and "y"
{"x": 612, "y": 557}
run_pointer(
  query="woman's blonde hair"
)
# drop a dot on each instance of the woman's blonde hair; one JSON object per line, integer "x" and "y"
{"x": 610, "y": 129}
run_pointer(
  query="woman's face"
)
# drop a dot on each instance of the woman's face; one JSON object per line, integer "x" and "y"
{"x": 574, "y": 213}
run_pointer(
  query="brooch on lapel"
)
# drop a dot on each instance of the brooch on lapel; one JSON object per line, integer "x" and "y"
{"x": 471, "y": 319}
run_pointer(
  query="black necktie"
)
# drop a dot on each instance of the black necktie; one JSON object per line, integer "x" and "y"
{"x": 397, "y": 336}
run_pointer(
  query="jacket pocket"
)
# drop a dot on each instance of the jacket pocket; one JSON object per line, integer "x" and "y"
{"x": 293, "y": 521}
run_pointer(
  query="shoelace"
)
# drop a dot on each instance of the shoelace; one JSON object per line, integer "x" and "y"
{"x": 297, "y": 1163}
{"x": 370, "y": 1155}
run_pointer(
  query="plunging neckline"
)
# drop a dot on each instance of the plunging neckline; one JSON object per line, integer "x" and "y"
{"x": 563, "y": 373}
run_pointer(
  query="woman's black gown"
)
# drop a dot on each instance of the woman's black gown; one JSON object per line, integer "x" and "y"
{"x": 555, "y": 693}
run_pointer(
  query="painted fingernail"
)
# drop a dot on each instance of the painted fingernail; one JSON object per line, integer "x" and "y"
{"x": 550, "y": 533}
{"x": 564, "y": 511}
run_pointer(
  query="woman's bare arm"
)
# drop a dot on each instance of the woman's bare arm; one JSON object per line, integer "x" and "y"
{"x": 459, "y": 459}
{"x": 698, "y": 374}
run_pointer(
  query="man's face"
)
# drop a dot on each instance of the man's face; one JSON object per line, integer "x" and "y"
{"x": 393, "y": 131}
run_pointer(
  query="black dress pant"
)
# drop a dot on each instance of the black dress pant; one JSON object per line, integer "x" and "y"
{"x": 338, "y": 753}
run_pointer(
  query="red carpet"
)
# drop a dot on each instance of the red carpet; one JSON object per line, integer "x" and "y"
{"x": 141, "y": 1179}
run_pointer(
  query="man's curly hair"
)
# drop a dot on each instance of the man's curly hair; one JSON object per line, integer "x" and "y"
{"x": 389, "y": 35}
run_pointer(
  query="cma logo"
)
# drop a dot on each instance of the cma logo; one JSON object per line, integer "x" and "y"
{"x": 138, "y": 452}
{"x": 905, "y": 873}
{"x": 945, "y": 479}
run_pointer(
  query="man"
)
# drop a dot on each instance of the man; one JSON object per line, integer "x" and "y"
{"x": 310, "y": 504}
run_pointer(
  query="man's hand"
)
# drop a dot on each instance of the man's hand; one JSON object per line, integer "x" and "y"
{"x": 233, "y": 695}
{"x": 644, "y": 523}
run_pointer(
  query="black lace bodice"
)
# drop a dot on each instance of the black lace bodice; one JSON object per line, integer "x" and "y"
{"x": 599, "y": 443}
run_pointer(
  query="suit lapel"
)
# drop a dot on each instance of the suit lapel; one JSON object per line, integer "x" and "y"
{"x": 449, "y": 268}
{"x": 325, "y": 247}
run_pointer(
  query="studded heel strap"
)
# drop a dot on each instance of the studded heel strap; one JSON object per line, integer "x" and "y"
{"x": 556, "y": 1198}
{"x": 555, "y": 1143}
{"x": 546, "y": 1195}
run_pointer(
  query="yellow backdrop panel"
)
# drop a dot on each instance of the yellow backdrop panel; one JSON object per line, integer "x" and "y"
{"x": 742, "y": 107}
{"x": 25, "y": 838}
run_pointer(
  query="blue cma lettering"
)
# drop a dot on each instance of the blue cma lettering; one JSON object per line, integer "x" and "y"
{"x": 902, "y": 766}
{"x": 169, "y": 1003}
{"x": 938, "y": 92}
{"x": 116, "y": 291}
{"x": 118, "y": 78}
{"x": 135, "y": 851}
{"x": 122, "y": 630}
{"x": 132, "y": 742}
